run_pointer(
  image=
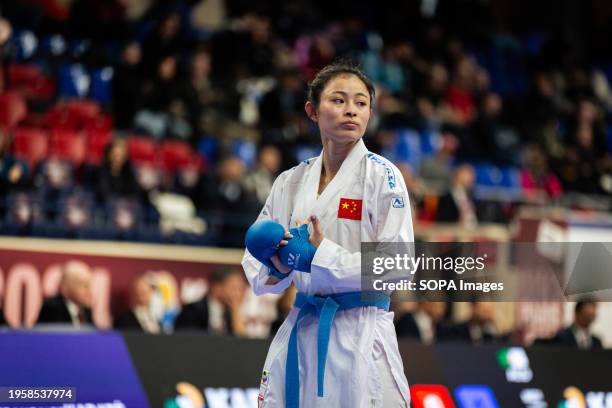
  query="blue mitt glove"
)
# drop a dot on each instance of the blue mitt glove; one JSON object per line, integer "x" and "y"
{"x": 298, "y": 253}
{"x": 262, "y": 240}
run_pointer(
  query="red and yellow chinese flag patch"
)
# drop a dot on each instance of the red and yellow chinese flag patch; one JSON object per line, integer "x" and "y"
{"x": 350, "y": 209}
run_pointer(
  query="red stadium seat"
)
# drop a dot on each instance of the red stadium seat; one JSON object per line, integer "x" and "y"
{"x": 142, "y": 150}
{"x": 97, "y": 139}
{"x": 58, "y": 118}
{"x": 31, "y": 81}
{"x": 83, "y": 109}
{"x": 174, "y": 155}
{"x": 30, "y": 144}
{"x": 102, "y": 122}
{"x": 69, "y": 145}
{"x": 21, "y": 74}
{"x": 13, "y": 109}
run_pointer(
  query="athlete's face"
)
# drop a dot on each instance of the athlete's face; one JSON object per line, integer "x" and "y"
{"x": 344, "y": 110}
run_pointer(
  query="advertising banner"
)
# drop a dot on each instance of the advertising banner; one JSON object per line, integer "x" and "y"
{"x": 87, "y": 369}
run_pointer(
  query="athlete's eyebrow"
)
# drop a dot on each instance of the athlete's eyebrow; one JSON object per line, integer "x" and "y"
{"x": 346, "y": 94}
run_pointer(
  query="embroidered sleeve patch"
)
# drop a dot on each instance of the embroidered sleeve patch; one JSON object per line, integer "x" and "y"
{"x": 397, "y": 202}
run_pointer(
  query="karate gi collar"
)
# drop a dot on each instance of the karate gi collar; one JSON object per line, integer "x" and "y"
{"x": 316, "y": 205}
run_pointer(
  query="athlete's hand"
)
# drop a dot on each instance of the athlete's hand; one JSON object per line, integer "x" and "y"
{"x": 317, "y": 235}
{"x": 276, "y": 261}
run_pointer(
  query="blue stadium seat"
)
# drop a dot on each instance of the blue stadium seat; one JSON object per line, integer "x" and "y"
{"x": 101, "y": 85}
{"x": 305, "y": 152}
{"x": 246, "y": 150}
{"x": 25, "y": 44}
{"x": 430, "y": 142}
{"x": 494, "y": 182}
{"x": 74, "y": 81}
{"x": 208, "y": 147}
{"x": 407, "y": 148}
{"x": 53, "y": 45}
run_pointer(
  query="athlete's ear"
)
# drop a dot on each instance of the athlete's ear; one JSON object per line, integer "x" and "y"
{"x": 311, "y": 111}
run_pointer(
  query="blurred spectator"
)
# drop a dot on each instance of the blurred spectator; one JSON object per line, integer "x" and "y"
{"x": 494, "y": 139}
{"x": 97, "y": 20}
{"x": 283, "y": 307}
{"x": 579, "y": 334}
{"x": 425, "y": 324}
{"x": 282, "y": 108}
{"x": 13, "y": 172}
{"x": 459, "y": 94}
{"x": 415, "y": 187}
{"x": 546, "y": 102}
{"x": 209, "y": 15}
{"x": 435, "y": 169}
{"x": 432, "y": 108}
{"x": 219, "y": 312}
{"x": 116, "y": 176}
{"x": 163, "y": 114}
{"x": 204, "y": 101}
{"x": 237, "y": 207}
{"x": 480, "y": 328}
{"x": 54, "y": 179}
{"x": 458, "y": 204}
{"x": 73, "y": 303}
{"x": 259, "y": 182}
{"x": 140, "y": 316}
{"x": 164, "y": 40}
{"x": 6, "y": 30}
{"x": 127, "y": 86}
{"x": 538, "y": 183}
{"x": 586, "y": 157}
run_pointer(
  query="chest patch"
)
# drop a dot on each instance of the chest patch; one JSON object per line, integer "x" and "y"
{"x": 350, "y": 208}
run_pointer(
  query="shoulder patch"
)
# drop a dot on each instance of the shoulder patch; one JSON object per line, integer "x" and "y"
{"x": 397, "y": 202}
{"x": 388, "y": 169}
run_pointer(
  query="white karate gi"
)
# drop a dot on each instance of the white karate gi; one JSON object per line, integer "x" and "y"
{"x": 364, "y": 367}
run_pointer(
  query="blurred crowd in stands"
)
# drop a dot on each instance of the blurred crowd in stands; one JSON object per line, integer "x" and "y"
{"x": 167, "y": 121}
{"x": 224, "y": 310}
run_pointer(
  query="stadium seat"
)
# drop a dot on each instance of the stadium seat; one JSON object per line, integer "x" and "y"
{"x": 30, "y": 144}
{"x": 305, "y": 152}
{"x": 430, "y": 143}
{"x": 497, "y": 182}
{"x": 53, "y": 45}
{"x": 174, "y": 154}
{"x": 74, "y": 81}
{"x": 24, "y": 44}
{"x": 13, "y": 109}
{"x": 208, "y": 147}
{"x": 406, "y": 148}
{"x": 31, "y": 81}
{"x": 142, "y": 150}
{"x": 83, "y": 109}
{"x": 101, "y": 85}
{"x": 20, "y": 75}
{"x": 97, "y": 139}
{"x": 246, "y": 150}
{"x": 69, "y": 145}
{"x": 102, "y": 122}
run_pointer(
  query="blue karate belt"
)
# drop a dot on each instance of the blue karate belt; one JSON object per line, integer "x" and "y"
{"x": 325, "y": 308}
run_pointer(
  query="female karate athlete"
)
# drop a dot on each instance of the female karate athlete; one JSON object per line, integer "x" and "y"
{"x": 335, "y": 349}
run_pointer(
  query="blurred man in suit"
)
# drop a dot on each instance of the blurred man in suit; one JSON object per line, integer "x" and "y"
{"x": 579, "y": 333}
{"x": 73, "y": 303}
{"x": 219, "y": 312}
{"x": 458, "y": 204}
{"x": 479, "y": 328}
{"x": 424, "y": 324}
{"x": 140, "y": 317}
